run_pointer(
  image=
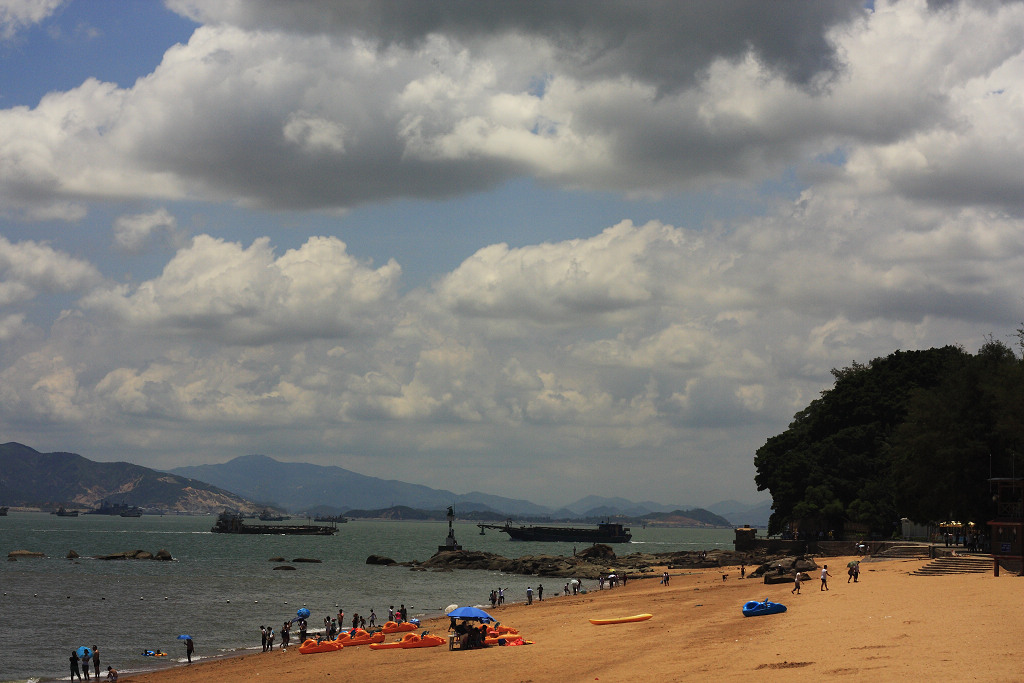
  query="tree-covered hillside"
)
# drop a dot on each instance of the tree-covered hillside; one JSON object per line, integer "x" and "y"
{"x": 915, "y": 434}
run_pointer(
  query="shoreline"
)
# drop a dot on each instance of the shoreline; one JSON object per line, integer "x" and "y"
{"x": 885, "y": 625}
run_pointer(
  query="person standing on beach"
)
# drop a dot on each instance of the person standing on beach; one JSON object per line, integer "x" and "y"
{"x": 391, "y": 613}
{"x": 796, "y": 583}
{"x": 373, "y": 618}
{"x": 270, "y": 639}
{"x": 190, "y": 647}
{"x": 85, "y": 665}
{"x": 96, "y": 661}
{"x": 824, "y": 577}
{"x": 302, "y": 631}
{"x": 286, "y": 634}
{"x": 501, "y": 596}
{"x": 529, "y": 595}
{"x": 75, "y": 671}
{"x": 263, "y": 636}
{"x": 540, "y": 591}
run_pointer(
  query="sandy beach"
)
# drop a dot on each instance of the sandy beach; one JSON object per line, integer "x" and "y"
{"x": 890, "y": 625}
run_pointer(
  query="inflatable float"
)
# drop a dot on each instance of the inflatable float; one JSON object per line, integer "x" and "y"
{"x": 622, "y": 620}
{"x": 409, "y": 640}
{"x": 755, "y": 608}
{"x": 359, "y": 637}
{"x": 153, "y": 653}
{"x": 312, "y": 647}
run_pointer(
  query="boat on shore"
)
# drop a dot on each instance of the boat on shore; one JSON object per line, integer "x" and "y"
{"x": 233, "y": 523}
{"x": 605, "y": 532}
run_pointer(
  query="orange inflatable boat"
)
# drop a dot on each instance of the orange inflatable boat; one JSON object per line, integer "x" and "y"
{"x": 310, "y": 646}
{"x": 394, "y": 627}
{"x": 409, "y": 640}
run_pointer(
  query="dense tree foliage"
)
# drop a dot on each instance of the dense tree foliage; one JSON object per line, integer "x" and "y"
{"x": 916, "y": 434}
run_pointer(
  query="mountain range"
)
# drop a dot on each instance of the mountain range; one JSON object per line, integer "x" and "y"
{"x": 33, "y": 479}
{"x": 333, "y": 489}
{"x": 248, "y": 483}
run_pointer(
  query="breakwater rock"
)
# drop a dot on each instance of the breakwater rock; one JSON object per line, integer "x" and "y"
{"x": 137, "y": 555}
{"x": 590, "y": 563}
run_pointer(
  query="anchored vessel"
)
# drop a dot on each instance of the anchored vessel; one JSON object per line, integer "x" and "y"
{"x": 232, "y": 523}
{"x": 605, "y": 532}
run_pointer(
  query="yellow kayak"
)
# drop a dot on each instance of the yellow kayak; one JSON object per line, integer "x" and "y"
{"x": 622, "y": 620}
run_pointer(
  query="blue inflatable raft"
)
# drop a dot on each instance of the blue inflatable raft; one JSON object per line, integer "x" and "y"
{"x": 755, "y": 608}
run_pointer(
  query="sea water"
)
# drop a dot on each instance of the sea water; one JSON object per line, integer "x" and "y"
{"x": 221, "y": 587}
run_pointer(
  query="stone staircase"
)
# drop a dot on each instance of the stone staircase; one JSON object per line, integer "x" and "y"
{"x": 960, "y": 564}
{"x": 906, "y": 552}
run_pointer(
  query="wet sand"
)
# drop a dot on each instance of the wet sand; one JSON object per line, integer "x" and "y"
{"x": 891, "y": 625}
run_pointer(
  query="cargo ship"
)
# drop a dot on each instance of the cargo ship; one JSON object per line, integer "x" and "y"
{"x": 605, "y": 532}
{"x": 232, "y": 523}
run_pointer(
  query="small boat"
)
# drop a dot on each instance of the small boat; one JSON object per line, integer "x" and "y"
{"x": 621, "y": 620}
{"x": 64, "y": 512}
{"x": 395, "y": 627}
{"x": 3, "y": 510}
{"x": 359, "y": 637}
{"x": 410, "y": 640}
{"x": 755, "y": 608}
{"x": 269, "y": 516}
{"x": 337, "y": 519}
{"x": 310, "y": 646}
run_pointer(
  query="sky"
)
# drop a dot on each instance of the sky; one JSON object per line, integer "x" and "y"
{"x": 540, "y": 250}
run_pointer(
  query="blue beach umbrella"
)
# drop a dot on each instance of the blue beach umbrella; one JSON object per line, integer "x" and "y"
{"x": 303, "y": 613}
{"x": 84, "y": 652}
{"x": 184, "y": 636}
{"x": 470, "y": 613}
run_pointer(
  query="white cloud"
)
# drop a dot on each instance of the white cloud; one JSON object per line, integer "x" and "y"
{"x": 17, "y": 15}
{"x": 28, "y": 269}
{"x": 132, "y": 232}
{"x": 236, "y": 295}
{"x": 335, "y": 116}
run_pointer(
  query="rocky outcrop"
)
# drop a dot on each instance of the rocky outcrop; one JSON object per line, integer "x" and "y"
{"x": 137, "y": 555}
{"x": 306, "y": 559}
{"x": 283, "y": 568}
{"x": 16, "y": 554}
{"x": 590, "y": 563}
{"x": 276, "y": 559}
{"x": 72, "y": 555}
{"x": 783, "y": 569}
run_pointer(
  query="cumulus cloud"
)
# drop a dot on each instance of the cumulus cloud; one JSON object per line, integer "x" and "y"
{"x": 29, "y": 268}
{"x": 328, "y": 105}
{"x": 249, "y": 296}
{"x": 895, "y": 133}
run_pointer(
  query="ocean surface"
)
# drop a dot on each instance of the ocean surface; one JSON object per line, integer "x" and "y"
{"x": 220, "y": 588}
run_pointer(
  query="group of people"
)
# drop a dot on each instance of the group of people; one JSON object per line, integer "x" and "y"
{"x": 468, "y": 635}
{"x": 497, "y": 597}
{"x": 332, "y": 627}
{"x": 267, "y": 635}
{"x": 81, "y": 664}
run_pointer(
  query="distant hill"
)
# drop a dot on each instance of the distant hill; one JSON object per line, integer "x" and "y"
{"x": 687, "y": 518}
{"x": 303, "y": 486}
{"x": 33, "y": 479}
